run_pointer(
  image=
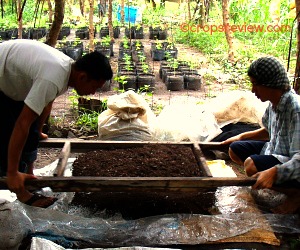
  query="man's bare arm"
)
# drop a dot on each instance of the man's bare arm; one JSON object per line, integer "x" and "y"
{"x": 18, "y": 139}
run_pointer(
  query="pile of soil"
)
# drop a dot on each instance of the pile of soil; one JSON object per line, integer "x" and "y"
{"x": 146, "y": 161}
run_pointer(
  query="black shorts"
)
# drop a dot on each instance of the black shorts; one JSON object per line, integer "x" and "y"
{"x": 10, "y": 111}
{"x": 245, "y": 149}
{"x": 252, "y": 149}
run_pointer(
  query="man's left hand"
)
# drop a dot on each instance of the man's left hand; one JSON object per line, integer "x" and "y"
{"x": 43, "y": 136}
{"x": 265, "y": 179}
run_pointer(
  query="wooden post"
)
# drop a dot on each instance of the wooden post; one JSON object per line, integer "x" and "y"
{"x": 63, "y": 159}
{"x": 201, "y": 160}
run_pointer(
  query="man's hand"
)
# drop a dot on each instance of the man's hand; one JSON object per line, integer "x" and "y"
{"x": 15, "y": 182}
{"x": 258, "y": 134}
{"x": 232, "y": 139}
{"x": 43, "y": 136}
{"x": 265, "y": 179}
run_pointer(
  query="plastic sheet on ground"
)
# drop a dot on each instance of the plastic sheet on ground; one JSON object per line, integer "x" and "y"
{"x": 42, "y": 244}
{"x": 69, "y": 227}
{"x": 71, "y": 231}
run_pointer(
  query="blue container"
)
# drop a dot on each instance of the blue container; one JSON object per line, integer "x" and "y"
{"x": 130, "y": 12}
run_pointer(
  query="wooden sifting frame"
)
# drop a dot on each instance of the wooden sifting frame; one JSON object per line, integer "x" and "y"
{"x": 60, "y": 183}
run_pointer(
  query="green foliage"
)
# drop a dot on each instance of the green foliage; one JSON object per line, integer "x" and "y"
{"x": 87, "y": 121}
{"x": 248, "y": 45}
{"x": 157, "y": 108}
{"x": 105, "y": 41}
{"x": 250, "y": 11}
{"x": 145, "y": 67}
{"x": 10, "y": 16}
{"x": 122, "y": 80}
{"x": 74, "y": 99}
{"x": 153, "y": 16}
{"x": 158, "y": 45}
{"x": 146, "y": 89}
{"x": 173, "y": 63}
{"x": 204, "y": 41}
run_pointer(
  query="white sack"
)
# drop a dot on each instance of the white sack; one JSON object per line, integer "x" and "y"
{"x": 127, "y": 118}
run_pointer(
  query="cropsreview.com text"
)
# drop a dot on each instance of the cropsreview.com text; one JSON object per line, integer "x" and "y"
{"x": 212, "y": 28}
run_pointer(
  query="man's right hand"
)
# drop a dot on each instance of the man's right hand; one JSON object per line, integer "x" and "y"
{"x": 265, "y": 179}
{"x": 16, "y": 182}
{"x": 232, "y": 139}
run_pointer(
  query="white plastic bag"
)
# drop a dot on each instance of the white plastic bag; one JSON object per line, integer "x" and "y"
{"x": 236, "y": 106}
{"x": 185, "y": 122}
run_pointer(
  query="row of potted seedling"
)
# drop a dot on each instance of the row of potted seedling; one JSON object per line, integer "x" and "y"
{"x": 133, "y": 70}
{"x": 163, "y": 51}
{"x": 75, "y": 48}
{"x": 179, "y": 75}
{"x": 27, "y": 33}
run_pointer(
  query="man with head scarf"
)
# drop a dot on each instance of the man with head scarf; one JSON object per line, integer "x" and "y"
{"x": 271, "y": 153}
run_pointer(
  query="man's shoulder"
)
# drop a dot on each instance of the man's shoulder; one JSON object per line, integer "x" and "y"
{"x": 294, "y": 100}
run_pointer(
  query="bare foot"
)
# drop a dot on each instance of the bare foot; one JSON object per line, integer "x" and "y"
{"x": 39, "y": 200}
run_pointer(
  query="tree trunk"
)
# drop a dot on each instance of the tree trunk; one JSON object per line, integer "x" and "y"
{"x": 153, "y": 4}
{"x": 20, "y": 12}
{"x": 296, "y": 84}
{"x": 101, "y": 10}
{"x": 202, "y": 13}
{"x": 57, "y": 22}
{"x": 91, "y": 26}
{"x": 228, "y": 32}
{"x": 122, "y": 12}
{"x": 50, "y": 11}
{"x": 189, "y": 10}
{"x": 110, "y": 23}
{"x": 81, "y": 5}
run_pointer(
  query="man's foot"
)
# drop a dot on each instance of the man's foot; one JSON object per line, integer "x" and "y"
{"x": 39, "y": 200}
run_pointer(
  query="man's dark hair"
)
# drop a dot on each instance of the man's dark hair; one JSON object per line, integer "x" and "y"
{"x": 96, "y": 65}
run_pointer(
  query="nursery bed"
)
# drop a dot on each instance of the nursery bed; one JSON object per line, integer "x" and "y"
{"x": 137, "y": 179}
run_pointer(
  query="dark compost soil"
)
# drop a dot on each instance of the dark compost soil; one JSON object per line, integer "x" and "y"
{"x": 146, "y": 161}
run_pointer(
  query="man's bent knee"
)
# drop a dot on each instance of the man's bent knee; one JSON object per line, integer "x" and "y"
{"x": 250, "y": 167}
{"x": 234, "y": 157}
